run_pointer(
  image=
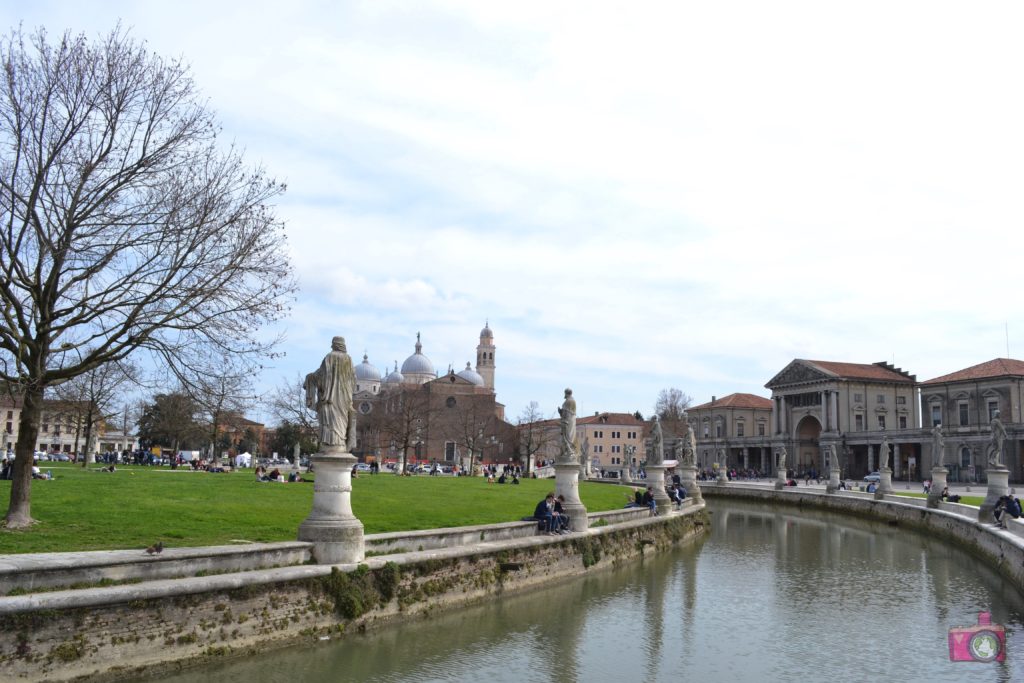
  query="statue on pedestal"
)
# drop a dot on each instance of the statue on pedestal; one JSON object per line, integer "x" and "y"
{"x": 329, "y": 391}
{"x": 567, "y": 427}
{"x": 883, "y": 453}
{"x": 657, "y": 454}
{"x": 995, "y": 447}
{"x": 782, "y": 458}
{"x": 833, "y": 459}
{"x": 938, "y": 447}
{"x": 690, "y": 448}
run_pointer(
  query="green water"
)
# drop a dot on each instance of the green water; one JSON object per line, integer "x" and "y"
{"x": 772, "y": 594}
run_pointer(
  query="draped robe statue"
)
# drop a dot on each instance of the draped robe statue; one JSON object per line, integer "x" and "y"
{"x": 329, "y": 391}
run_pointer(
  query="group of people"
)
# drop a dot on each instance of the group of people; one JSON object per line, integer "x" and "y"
{"x": 550, "y": 515}
{"x": 1006, "y": 505}
{"x": 276, "y": 475}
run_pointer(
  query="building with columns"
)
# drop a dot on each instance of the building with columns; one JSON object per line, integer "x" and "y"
{"x": 852, "y": 406}
{"x": 733, "y": 431}
{"x": 964, "y": 403}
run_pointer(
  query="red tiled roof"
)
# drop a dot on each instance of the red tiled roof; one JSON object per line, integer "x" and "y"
{"x": 999, "y": 367}
{"x": 738, "y": 401}
{"x": 870, "y": 371}
{"x": 610, "y": 418}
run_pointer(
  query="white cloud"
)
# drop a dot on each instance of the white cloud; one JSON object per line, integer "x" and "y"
{"x": 684, "y": 194}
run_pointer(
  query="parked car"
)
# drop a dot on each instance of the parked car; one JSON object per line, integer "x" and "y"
{"x": 362, "y": 467}
{"x": 874, "y": 476}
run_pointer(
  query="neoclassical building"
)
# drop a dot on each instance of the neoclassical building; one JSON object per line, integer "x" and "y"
{"x": 851, "y": 406}
{"x": 733, "y": 431}
{"x": 964, "y": 403}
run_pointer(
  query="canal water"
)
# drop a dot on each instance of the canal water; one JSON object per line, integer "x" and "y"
{"x": 773, "y": 594}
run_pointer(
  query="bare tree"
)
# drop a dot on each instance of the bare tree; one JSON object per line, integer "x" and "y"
{"x": 92, "y": 397}
{"x": 534, "y": 435}
{"x": 123, "y": 226}
{"x": 471, "y": 420}
{"x": 402, "y": 418}
{"x": 287, "y": 404}
{"x": 222, "y": 400}
{"x": 669, "y": 408}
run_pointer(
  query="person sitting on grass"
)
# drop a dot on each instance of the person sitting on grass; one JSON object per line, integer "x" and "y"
{"x": 275, "y": 475}
{"x": 261, "y": 473}
{"x": 543, "y": 514}
{"x": 295, "y": 477}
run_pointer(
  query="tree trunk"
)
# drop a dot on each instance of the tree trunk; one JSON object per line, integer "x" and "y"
{"x": 19, "y": 513}
{"x": 88, "y": 457}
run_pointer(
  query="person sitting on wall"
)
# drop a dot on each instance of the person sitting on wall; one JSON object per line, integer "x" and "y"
{"x": 1007, "y": 505}
{"x": 561, "y": 520}
{"x": 649, "y": 502}
{"x": 542, "y": 513}
{"x": 872, "y": 487}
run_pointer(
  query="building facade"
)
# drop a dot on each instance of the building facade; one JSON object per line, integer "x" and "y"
{"x": 734, "y": 432}
{"x": 964, "y": 403}
{"x": 612, "y": 441}
{"x": 852, "y": 406}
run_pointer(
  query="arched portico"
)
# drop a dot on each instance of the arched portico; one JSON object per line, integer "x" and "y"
{"x": 808, "y": 450}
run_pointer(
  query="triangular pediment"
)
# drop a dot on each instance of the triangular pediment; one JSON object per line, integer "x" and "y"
{"x": 798, "y": 372}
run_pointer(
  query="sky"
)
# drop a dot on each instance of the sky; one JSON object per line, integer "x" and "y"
{"x": 635, "y": 196}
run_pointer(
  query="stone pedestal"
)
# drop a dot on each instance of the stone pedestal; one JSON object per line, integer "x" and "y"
{"x": 998, "y": 486}
{"x": 780, "y": 479}
{"x": 938, "y": 483}
{"x": 656, "y": 480}
{"x": 833, "y": 482}
{"x": 567, "y": 484}
{"x": 625, "y": 475}
{"x": 688, "y": 478}
{"x": 884, "y": 482}
{"x": 336, "y": 533}
{"x": 723, "y": 475}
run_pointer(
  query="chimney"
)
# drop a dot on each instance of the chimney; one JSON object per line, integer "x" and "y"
{"x": 714, "y": 398}
{"x": 596, "y": 413}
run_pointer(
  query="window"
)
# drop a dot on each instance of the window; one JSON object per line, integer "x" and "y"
{"x": 739, "y": 429}
{"x": 903, "y": 421}
{"x": 965, "y": 416}
{"x": 616, "y": 449}
{"x": 881, "y": 398}
{"x": 450, "y": 402}
{"x": 46, "y": 427}
{"x": 616, "y": 435}
{"x": 965, "y": 457}
{"x": 595, "y": 449}
{"x": 10, "y": 414}
{"x": 936, "y": 414}
{"x": 901, "y": 400}
{"x": 598, "y": 435}
{"x": 857, "y": 398}
{"x": 881, "y": 421}
{"x": 993, "y": 408}
{"x": 449, "y": 451}
{"x": 10, "y": 427}
{"x": 600, "y": 449}
{"x": 630, "y": 435}
{"x": 760, "y": 429}
{"x": 718, "y": 430}
{"x": 858, "y": 423}
{"x": 705, "y": 431}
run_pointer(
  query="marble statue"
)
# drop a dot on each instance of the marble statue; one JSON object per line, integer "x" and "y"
{"x": 782, "y": 458}
{"x": 995, "y": 447}
{"x": 833, "y": 459}
{"x": 329, "y": 391}
{"x": 690, "y": 448}
{"x": 883, "y": 453}
{"x": 938, "y": 447}
{"x": 567, "y": 427}
{"x": 657, "y": 454}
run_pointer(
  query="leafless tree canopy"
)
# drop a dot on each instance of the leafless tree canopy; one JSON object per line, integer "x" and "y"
{"x": 94, "y": 395}
{"x": 670, "y": 406}
{"x": 123, "y": 225}
{"x": 533, "y": 437}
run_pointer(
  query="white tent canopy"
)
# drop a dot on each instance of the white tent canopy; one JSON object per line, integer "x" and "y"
{"x": 243, "y": 460}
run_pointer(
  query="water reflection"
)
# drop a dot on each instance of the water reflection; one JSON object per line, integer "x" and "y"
{"x": 773, "y": 595}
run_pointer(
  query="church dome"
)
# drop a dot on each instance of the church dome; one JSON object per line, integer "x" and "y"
{"x": 471, "y": 375}
{"x": 417, "y": 363}
{"x": 395, "y": 377}
{"x": 366, "y": 372}
{"x": 486, "y": 332}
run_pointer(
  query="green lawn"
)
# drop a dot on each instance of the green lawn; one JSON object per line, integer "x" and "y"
{"x": 976, "y": 501}
{"x": 137, "y": 506}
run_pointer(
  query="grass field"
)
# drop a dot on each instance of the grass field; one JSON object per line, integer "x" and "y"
{"x": 137, "y": 506}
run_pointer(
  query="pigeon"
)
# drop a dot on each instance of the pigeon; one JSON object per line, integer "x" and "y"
{"x": 156, "y": 548}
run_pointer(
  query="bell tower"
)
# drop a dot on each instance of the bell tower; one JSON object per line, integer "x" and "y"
{"x": 485, "y": 356}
